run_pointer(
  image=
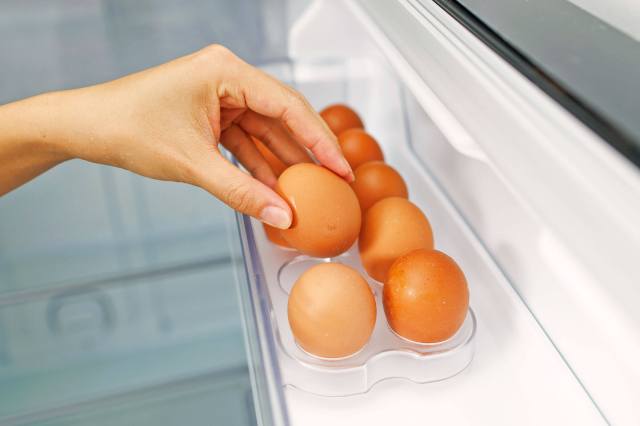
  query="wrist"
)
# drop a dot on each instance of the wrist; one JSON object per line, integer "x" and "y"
{"x": 32, "y": 125}
{"x": 70, "y": 124}
{"x": 30, "y": 141}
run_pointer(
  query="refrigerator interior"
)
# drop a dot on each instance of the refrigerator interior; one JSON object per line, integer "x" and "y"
{"x": 469, "y": 146}
{"x": 514, "y": 358}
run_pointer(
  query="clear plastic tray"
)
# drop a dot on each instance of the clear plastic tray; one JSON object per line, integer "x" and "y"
{"x": 386, "y": 355}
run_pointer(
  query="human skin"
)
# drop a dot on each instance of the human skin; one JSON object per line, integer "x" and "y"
{"x": 167, "y": 123}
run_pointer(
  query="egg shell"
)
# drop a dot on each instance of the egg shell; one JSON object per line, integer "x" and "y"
{"x": 340, "y": 117}
{"x": 391, "y": 228}
{"x": 426, "y": 296}
{"x": 331, "y": 310}
{"x": 274, "y": 235}
{"x": 359, "y": 147}
{"x": 274, "y": 162}
{"x": 375, "y": 181}
{"x": 326, "y": 213}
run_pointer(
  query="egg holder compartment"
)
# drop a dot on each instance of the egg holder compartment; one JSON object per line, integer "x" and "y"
{"x": 385, "y": 356}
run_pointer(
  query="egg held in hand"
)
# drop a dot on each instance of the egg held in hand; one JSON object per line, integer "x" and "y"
{"x": 340, "y": 117}
{"x": 391, "y": 228}
{"x": 425, "y": 296}
{"x": 273, "y": 234}
{"x": 326, "y": 213}
{"x": 375, "y": 181}
{"x": 359, "y": 147}
{"x": 331, "y": 311}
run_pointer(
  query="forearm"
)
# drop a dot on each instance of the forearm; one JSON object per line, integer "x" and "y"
{"x": 30, "y": 139}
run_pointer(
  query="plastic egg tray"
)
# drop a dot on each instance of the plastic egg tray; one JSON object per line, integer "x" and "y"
{"x": 385, "y": 356}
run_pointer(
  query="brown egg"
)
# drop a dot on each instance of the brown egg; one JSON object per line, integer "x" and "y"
{"x": 391, "y": 228}
{"x": 274, "y": 235}
{"x": 340, "y": 118}
{"x": 274, "y": 162}
{"x": 326, "y": 213}
{"x": 425, "y": 296}
{"x": 359, "y": 147}
{"x": 331, "y": 311}
{"x": 376, "y": 180}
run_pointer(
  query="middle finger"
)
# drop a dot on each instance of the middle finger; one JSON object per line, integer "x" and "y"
{"x": 273, "y": 134}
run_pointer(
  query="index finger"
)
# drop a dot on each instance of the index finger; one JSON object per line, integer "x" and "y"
{"x": 267, "y": 96}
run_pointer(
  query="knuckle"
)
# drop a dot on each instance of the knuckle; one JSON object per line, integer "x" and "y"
{"x": 314, "y": 144}
{"x": 295, "y": 103}
{"x": 238, "y": 197}
{"x": 297, "y": 98}
{"x": 216, "y": 52}
{"x": 219, "y": 49}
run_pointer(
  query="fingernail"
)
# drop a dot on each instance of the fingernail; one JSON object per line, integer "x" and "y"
{"x": 349, "y": 175}
{"x": 275, "y": 216}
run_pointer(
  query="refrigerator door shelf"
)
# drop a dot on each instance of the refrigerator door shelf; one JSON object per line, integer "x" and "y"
{"x": 514, "y": 360}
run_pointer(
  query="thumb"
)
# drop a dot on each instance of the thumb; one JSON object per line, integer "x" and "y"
{"x": 242, "y": 192}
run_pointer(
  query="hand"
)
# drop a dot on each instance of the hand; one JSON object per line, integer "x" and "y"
{"x": 166, "y": 123}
